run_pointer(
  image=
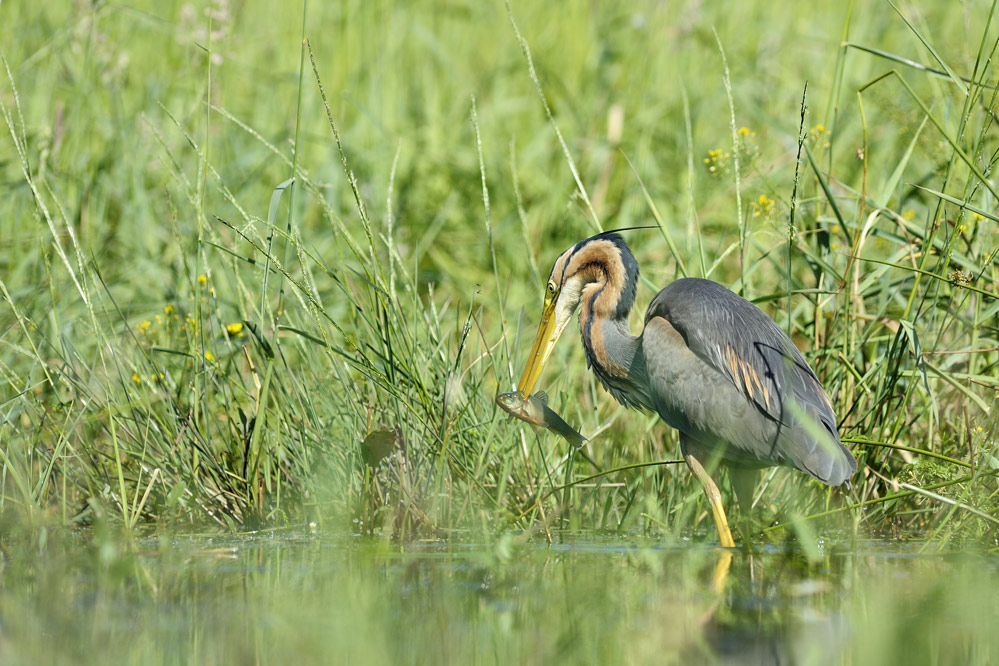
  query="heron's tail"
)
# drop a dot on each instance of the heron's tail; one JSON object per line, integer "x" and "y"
{"x": 819, "y": 451}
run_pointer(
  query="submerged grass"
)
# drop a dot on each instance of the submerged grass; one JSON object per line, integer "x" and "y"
{"x": 228, "y": 264}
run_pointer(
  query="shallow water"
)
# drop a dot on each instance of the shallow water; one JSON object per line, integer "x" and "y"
{"x": 304, "y": 597}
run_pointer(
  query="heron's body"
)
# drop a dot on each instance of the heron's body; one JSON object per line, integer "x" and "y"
{"x": 710, "y": 363}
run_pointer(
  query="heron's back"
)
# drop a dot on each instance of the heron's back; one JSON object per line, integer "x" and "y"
{"x": 722, "y": 372}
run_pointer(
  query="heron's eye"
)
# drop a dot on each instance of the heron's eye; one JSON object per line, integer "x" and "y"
{"x": 551, "y": 288}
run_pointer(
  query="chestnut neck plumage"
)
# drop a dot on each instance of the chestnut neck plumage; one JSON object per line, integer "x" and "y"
{"x": 610, "y": 276}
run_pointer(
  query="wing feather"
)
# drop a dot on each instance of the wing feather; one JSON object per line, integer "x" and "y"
{"x": 734, "y": 344}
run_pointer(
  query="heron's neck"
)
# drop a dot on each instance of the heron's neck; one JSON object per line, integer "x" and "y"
{"x": 616, "y": 357}
{"x": 610, "y": 347}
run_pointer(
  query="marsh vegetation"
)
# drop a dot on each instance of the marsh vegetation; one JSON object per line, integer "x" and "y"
{"x": 267, "y": 268}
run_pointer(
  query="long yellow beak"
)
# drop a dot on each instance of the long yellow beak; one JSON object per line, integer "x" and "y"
{"x": 542, "y": 349}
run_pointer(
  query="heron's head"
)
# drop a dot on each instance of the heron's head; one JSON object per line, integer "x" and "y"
{"x": 600, "y": 272}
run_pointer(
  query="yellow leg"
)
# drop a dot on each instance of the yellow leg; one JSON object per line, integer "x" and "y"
{"x": 714, "y": 500}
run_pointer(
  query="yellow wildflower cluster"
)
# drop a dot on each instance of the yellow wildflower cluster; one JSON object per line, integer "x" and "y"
{"x": 160, "y": 324}
{"x": 763, "y": 205}
{"x": 717, "y": 161}
{"x": 156, "y": 376}
{"x": 745, "y": 143}
{"x": 970, "y": 222}
{"x": 236, "y": 329}
{"x": 819, "y": 134}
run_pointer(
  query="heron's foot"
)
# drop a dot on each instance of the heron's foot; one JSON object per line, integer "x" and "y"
{"x": 714, "y": 500}
{"x": 721, "y": 523}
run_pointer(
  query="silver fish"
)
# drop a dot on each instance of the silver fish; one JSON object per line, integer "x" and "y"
{"x": 535, "y": 410}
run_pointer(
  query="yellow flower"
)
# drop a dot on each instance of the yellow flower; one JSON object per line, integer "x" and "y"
{"x": 764, "y": 205}
{"x": 743, "y": 131}
{"x": 168, "y": 309}
{"x": 136, "y": 378}
{"x": 209, "y": 357}
{"x": 144, "y": 326}
{"x": 234, "y": 328}
{"x": 817, "y": 132}
{"x": 202, "y": 280}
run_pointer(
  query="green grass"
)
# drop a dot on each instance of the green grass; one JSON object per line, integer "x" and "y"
{"x": 215, "y": 287}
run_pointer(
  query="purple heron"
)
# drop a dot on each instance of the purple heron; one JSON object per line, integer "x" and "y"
{"x": 709, "y": 363}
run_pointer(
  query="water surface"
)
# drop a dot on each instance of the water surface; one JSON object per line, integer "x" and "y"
{"x": 296, "y": 596}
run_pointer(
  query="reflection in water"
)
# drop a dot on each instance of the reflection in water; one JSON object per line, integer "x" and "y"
{"x": 817, "y": 641}
{"x": 289, "y": 597}
{"x": 749, "y": 623}
{"x": 734, "y": 632}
